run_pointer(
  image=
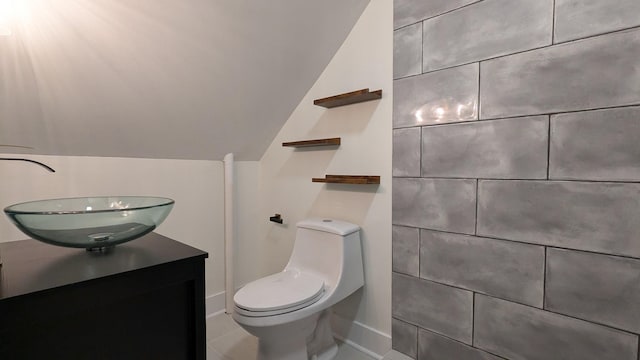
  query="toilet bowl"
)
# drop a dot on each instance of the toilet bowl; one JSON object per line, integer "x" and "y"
{"x": 289, "y": 311}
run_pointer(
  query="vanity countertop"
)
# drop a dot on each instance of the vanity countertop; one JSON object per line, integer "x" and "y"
{"x": 30, "y": 266}
{"x": 143, "y": 300}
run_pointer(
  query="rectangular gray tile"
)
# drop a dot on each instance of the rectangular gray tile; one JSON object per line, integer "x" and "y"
{"x": 502, "y": 149}
{"x": 438, "y": 204}
{"x": 405, "y": 249}
{"x": 407, "y": 51}
{"x": 404, "y": 338}
{"x": 580, "y": 18}
{"x": 519, "y": 332}
{"x": 440, "y": 308}
{"x": 600, "y": 217}
{"x": 406, "y": 152}
{"x": 407, "y": 12}
{"x": 505, "y": 269}
{"x": 444, "y": 96}
{"x": 600, "y": 288}
{"x": 596, "y": 145}
{"x": 484, "y": 30}
{"x": 586, "y": 74}
{"x": 434, "y": 346}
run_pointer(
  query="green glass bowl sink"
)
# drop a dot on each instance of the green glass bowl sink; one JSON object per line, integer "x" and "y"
{"x": 93, "y": 223}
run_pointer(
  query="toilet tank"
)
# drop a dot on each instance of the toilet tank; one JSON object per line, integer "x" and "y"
{"x": 330, "y": 249}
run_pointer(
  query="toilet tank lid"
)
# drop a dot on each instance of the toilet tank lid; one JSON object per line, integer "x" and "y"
{"x": 333, "y": 226}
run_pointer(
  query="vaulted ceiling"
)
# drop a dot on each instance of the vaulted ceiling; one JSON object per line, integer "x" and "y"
{"x": 185, "y": 79}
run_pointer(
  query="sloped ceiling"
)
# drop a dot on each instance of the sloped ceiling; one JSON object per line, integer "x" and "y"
{"x": 175, "y": 79}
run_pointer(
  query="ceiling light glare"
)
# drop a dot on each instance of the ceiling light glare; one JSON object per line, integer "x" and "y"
{"x": 7, "y": 12}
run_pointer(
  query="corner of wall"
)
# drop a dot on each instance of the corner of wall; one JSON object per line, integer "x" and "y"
{"x": 285, "y": 187}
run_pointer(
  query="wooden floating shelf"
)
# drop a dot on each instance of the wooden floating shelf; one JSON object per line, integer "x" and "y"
{"x": 349, "y": 179}
{"x": 349, "y": 98}
{"x": 316, "y": 142}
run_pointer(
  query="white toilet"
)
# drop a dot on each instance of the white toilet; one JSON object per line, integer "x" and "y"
{"x": 289, "y": 311}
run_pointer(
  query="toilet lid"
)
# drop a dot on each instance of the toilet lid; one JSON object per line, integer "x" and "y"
{"x": 283, "y": 290}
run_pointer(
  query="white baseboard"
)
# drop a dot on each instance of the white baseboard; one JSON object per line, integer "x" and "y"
{"x": 362, "y": 337}
{"x": 214, "y": 304}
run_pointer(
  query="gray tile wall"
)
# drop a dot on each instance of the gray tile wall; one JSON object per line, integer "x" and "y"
{"x": 407, "y": 52}
{"x": 563, "y": 78}
{"x": 593, "y": 216}
{"x": 601, "y": 17}
{"x": 444, "y": 96}
{"x": 406, "y": 152}
{"x": 500, "y": 268}
{"x": 461, "y": 36}
{"x": 412, "y": 11}
{"x": 607, "y": 148}
{"x": 600, "y": 288}
{"x": 406, "y": 336}
{"x": 516, "y": 191}
{"x": 501, "y": 149}
{"x": 434, "y": 346}
{"x": 520, "y": 332}
{"x": 406, "y": 250}
{"x": 440, "y": 308}
{"x": 440, "y": 204}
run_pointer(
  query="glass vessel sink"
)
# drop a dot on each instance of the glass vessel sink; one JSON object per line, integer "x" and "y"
{"x": 93, "y": 223}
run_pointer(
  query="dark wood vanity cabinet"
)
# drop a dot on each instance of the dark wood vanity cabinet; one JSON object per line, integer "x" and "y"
{"x": 142, "y": 300}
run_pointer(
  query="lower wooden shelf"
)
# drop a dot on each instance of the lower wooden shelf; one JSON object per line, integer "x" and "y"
{"x": 349, "y": 179}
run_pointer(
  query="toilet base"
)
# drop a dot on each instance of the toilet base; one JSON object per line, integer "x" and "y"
{"x": 309, "y": 338}
{"x": 328, "y": 354}
{"x": 292, "y": 349}
{"x": 293, "y": 352}
{"x": 321, "y": 345}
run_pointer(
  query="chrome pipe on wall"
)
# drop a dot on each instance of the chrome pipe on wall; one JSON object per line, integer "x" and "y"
{"x": 31, "y": 161}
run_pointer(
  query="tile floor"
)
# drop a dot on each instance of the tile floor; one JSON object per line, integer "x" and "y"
{"x": 226, "y": 340}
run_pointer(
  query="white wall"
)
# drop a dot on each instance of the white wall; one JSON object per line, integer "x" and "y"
{"x": 179, "y": 79}
{"x": 196, "y": 186}
{"x": 364, "y": 60}
{"x": 247, "y": 225}
{"x": 280, "y": 182}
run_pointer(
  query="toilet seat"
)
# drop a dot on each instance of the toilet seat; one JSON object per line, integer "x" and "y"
{"x": 279, "y": 293}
